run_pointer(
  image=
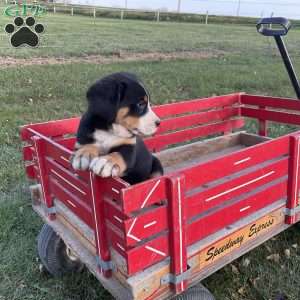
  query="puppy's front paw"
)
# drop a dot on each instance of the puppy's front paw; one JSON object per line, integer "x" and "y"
{"x": 80, "y": 162}
{"x": 82, "y": 158}
{"x": 104, "y": 166}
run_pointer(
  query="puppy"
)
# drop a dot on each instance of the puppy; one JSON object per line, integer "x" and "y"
{"x": 109, "y": 136}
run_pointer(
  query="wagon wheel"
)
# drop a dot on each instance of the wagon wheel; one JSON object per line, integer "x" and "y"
{"x": 55, "y": 256}
{"x": 198, "y": 292}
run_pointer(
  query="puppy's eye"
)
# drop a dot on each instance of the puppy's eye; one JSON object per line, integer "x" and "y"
{"x": 141, "y": 106}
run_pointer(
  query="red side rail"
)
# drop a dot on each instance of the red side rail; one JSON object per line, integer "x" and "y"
{"x": 264, "y": 109}
{"x": 188, "y": 120}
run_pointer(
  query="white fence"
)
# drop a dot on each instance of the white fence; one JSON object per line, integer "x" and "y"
{"x": 122, "y": 12}
{"x": 245, "y": 8}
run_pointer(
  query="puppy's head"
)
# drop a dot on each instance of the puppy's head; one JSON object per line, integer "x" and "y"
{"x": 122, "y": 99}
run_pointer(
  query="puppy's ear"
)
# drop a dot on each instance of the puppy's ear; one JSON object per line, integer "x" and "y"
{"x": 104, "y": 98}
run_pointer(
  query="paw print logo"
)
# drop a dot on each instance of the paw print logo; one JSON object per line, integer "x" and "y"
{"x": 24, "y": 33}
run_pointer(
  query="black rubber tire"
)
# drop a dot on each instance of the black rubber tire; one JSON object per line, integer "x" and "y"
{"x": 53, "y": 253}
{"x": 198, "y": 292}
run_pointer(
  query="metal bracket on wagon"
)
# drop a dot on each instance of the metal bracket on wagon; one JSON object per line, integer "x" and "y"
{"x": 51, "y": 210}
{"x": 105, "y": 265}
{"x": 175, "y": 279}
{"x": 292, "y": 211}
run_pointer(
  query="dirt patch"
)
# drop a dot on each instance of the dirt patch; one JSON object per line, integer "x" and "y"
{"x": 101, "y": 59}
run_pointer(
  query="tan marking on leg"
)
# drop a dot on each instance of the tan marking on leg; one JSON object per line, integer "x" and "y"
{"x": 88, "y": 150}
{"x": 84, "y": 155}
{"x": 117, "y": 160}
{"x": 111, "y": 165}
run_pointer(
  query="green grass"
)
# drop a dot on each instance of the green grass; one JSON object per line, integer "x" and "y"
{"x": 40, "y": 93}
{"x": 79, "y": 36}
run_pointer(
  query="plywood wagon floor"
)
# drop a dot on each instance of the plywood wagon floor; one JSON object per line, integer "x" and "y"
{"x": 192, "y": 154}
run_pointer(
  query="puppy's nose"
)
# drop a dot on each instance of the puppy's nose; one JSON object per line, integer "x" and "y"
{"x": 157, "y": 123}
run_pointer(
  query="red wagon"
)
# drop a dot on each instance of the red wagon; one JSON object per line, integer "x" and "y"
{"x": 219, "y": 198}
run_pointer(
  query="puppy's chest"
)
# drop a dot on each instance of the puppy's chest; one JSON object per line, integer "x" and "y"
{"x": 106, "y": 140}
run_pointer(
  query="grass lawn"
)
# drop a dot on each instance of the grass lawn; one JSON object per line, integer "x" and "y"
{"x": 81, "y": 35}
{"x": 36, "y": 93}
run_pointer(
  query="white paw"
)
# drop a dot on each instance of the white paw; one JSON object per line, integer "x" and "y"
{"x": 81, "y": 162}
{"x": 104, "y": 167}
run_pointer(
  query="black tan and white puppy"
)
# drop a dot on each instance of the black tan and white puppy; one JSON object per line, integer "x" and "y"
{"x": 109, "y": 138}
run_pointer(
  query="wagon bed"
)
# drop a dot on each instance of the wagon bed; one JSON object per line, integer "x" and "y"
{"x": 219, "y": 198}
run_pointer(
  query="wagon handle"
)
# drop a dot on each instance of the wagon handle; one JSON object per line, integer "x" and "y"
{"x": 265, "y": 26}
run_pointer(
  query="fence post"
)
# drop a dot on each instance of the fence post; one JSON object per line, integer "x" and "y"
{"x": 238, "y": 8}
{"x": 206, "y": 18}
{"x": 94, "y": 13}
{"x": 54, "y": 9}
{"x": 122, "y": 15}
{"x": 272, "y": 14}
{"x": 72, "y": 12}
{"x": 178, "y": 6}
{"x": 157, "y": 16}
